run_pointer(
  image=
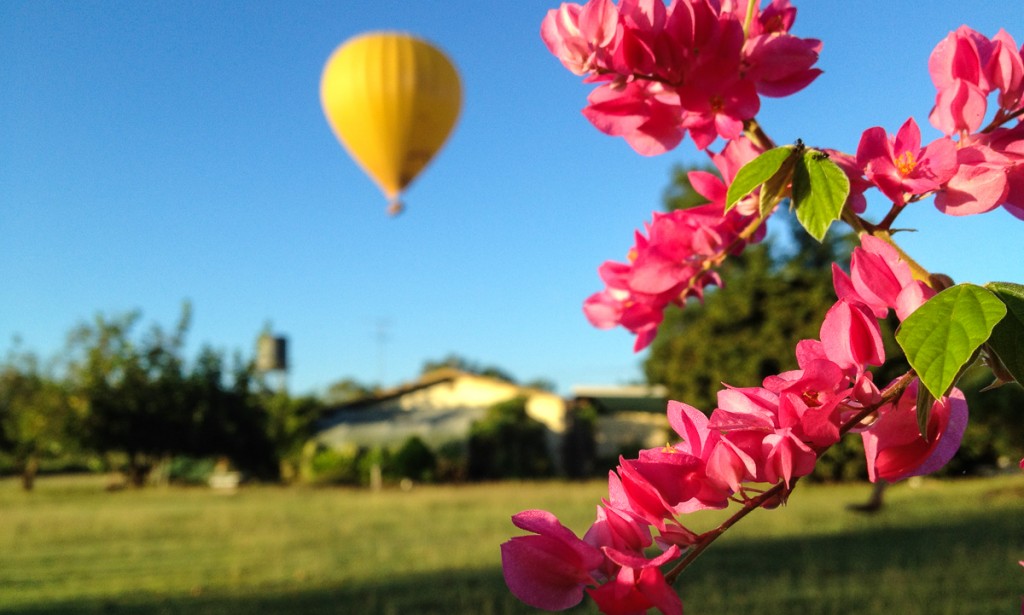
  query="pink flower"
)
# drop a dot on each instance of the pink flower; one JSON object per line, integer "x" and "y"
{"x": 646, "y": 114}
{"x": 959, "y": 108}
{"x": 581, "y": 36}
{"x": 809, "y": 400}
{"x": 745, "y": 409}
{"x": 717, "y": 98}
{"x": 634, "y": 591}
{"x": 550, "y": 569}
{"x": 781, "y": 65}
{"x": 1005, "y": 70}
{"x": 619, "y": 529}
{"x": 956, "y": 66}
{"x": 668, "y": 265}
{"x": 786, "y": 457}
{"x": 880, "y": 280}
{"x": 1009, "y": 142}
{"x": 960, "y": 56}
{"x": 980, "y": 183}
{"x": 677, "y": 473}
{"x": 684, "y": 67}
{"x": 717, "y": 108}
{"x": 899, "y": 166}
{"x": 651, "y": 487}
{"x": 851, "y": 337}
{"x": 769, "y": 428}
{"x": 618, "y": 305}
{"x": 991, "y": 174}
{"x": 894, "y": 446}
{"x": 733, "y": 461}
{"x": 966, "y": 67}
{"x": 877, "y": 276}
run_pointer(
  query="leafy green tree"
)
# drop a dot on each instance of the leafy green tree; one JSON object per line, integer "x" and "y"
{"x": 144, "y": 401}
{"x": 579, "y": 442}
{"x": 414, "y": 460}
{"x": 227, "y": 418}
{"x": 36, "y": 416}
{"x": 454, "y": 361}
{"x": 134, "y": 390}
{"x": 348, "y": 390}
{"x": 290, "y": 424}
{"x": 507, "y": 443}
{"x": 543, "y": 384}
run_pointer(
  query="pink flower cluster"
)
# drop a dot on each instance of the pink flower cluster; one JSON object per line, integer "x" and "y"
{"x": 686, "y": 67}
{"x": 674, "y": 260}
{"x": 984, "y": 168}
{"x": 768, "y": 434}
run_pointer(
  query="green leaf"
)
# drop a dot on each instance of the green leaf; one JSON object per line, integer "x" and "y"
{"x": 942, "y": 335}
{"x": 923, "y": 406}
{"x": 758, "y": 171}
{"x": 1007, "y": 339}
{"x": 820, "y": 189}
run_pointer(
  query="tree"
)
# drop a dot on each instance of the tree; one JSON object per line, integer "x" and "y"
{"x": 414, "y": 460}
{"x": 134, "y": 390}
{"x": 228, "y": 417}
{"x": 454, "y": 361}
{"x": 290, "y": 423}
{"x": 36, "y": 416}
{"x": 348, "y": 390}
{"x": 143, "y": 401}
{"x": 507, "y": 443}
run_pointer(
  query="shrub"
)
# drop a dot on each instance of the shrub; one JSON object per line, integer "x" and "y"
{"x": 507, "y": 443}
{"x": 414, "y": 460}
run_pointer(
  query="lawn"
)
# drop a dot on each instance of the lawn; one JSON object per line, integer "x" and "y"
{"x": 939, "y": 547}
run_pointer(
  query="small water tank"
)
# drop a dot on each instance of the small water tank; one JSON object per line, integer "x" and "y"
{"x": 271, "y": 353}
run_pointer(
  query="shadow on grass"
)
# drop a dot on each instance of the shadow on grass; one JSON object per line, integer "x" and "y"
{"x": 965, "y": 566}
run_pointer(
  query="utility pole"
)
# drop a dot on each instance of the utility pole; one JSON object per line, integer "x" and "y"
{"x": 382, "y": 337}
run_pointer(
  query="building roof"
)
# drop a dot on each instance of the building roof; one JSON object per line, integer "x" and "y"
{"x": 400, "y": 412}
{"x": 429, "y": 379}
{"x": 619, "y": 398}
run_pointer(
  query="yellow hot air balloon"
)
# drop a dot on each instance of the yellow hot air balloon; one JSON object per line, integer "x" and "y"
{"x": 392, "y": 99}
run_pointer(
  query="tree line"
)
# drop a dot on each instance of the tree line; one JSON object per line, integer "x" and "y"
{"x": 127, "y": 399}
{"x": 118, "y": 398}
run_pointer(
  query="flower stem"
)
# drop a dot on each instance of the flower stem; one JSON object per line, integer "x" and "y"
{"x": 757, "y": 135}
{"x": 751, "y": 7}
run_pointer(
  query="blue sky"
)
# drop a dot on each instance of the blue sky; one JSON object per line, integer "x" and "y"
{"x": 152, "y": 153}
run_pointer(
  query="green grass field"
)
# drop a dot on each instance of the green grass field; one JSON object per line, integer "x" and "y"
{"x": 69, "y": 547}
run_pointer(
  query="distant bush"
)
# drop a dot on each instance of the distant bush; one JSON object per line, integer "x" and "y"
{"x": 579, "y": 445}
{"x": 324, "y": 465}
{"x": 414, "y": 460}
{"x": 452, "y": 462}
{"x": 507, "y": 443}
{"x": 190, "y": 470}
{"x": 376, "y": 457}
{"x": 843, "y": 462}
